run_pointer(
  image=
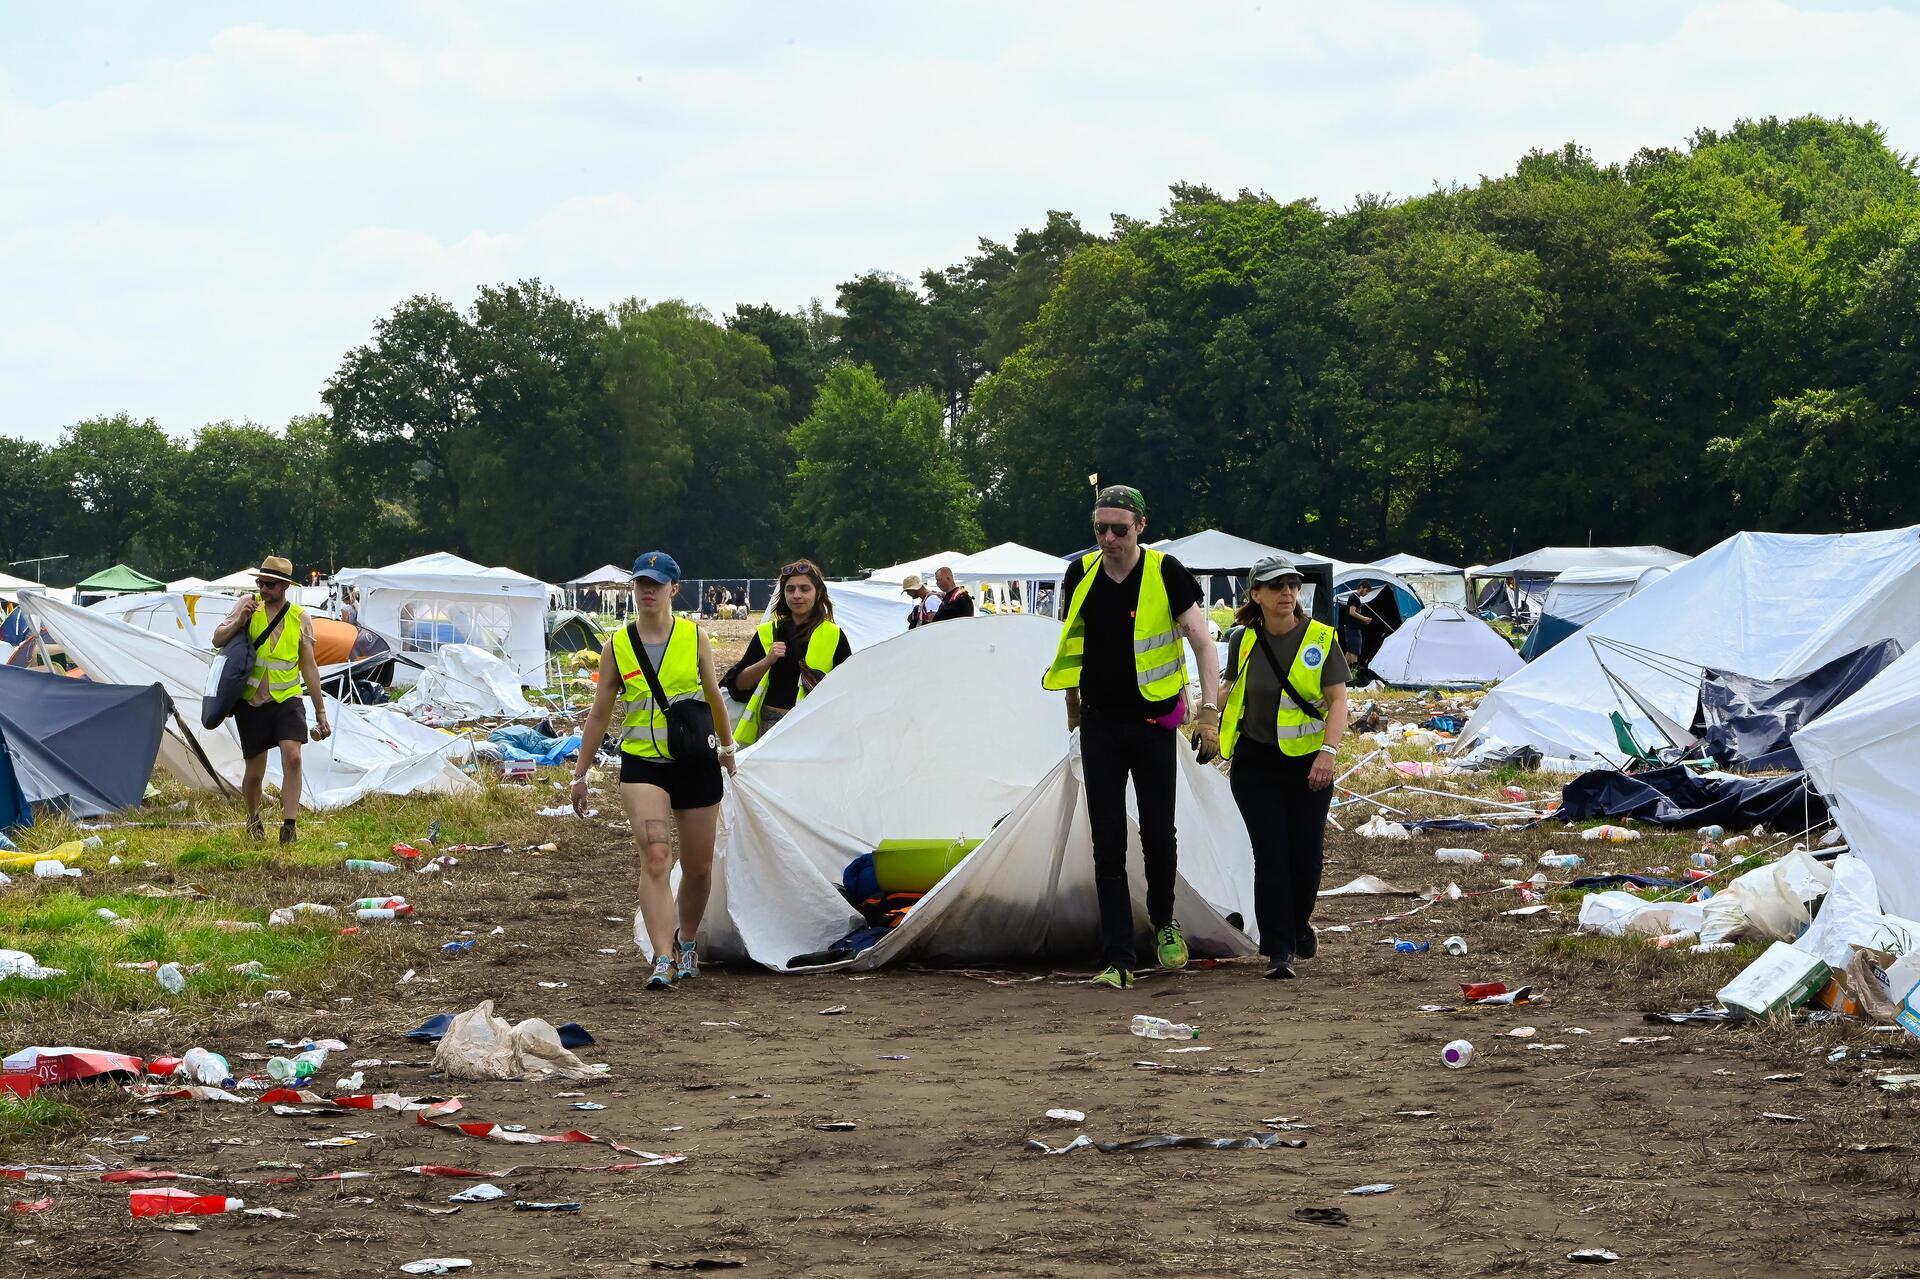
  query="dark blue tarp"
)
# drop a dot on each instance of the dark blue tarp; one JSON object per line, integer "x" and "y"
{"x": 1676, "y": 796}
{"x": 15, "y": 811}
{"x": 1747, "y": 723}
{"x": 81, "y": 746}
{"x": 1547, "y": 632}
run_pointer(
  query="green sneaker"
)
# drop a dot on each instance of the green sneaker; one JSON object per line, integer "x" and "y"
{"x": 1118, "y": 978}
{"x": 1172, "y": 947}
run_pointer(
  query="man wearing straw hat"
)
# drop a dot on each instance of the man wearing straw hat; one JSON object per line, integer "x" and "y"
{"x": 283, "y": 668}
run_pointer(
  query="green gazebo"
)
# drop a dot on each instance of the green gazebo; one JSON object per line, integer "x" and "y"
{"x": 119, "y": 580}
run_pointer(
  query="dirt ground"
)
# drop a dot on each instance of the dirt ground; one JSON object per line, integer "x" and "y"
{"x": 1658, "y": 1151}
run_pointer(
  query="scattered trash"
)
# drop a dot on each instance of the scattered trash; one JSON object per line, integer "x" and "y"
{"x": 529, "y": 1205}
{"x": 1078, "y": 1143}
{"x": 838, "y": 1125}
{"x": 428, "y": 1210}
{"x": 834, "y": 1011}
{"x": 586, "y": 1105}
{"x": 1896, "y": 1083}
{"x": 478, "y": 1045}
{"x": 1522, "y": 1032}
{"x": 1561, "y": 861}
{"x": 1323, "y": 1216}
{"x": 1375, "y": 1188}
{"x": 1611, "y": 834}
{"x": 169, "y": 1201}
{"x": 271, "y": 1214}
{"x": 205, "y": 1067}
{"x": 54, "y": 868}
{"x": 1174, "y": 1141}
{"x": 1160, "y": 1028}
{"x": 1779, "y": 1118}
{"x": 485, "y": 1192}
{"x": 1527, "y": 910}
{"x": 696, "y": 1263}
{"x": 1455, "y": 945}
{"x": 1646, "y": 1039}
{"x": 1378, "y": 827}
{"x": 436, "y": 1265}
{"x": 18, "y": 963}
{"x": 1367, "y": 886}
{"x": 1067, "y": 1116}
{"x": 1593, "y": 1256}
{"x": 1782, "y": 978}
{"x": 1416, "y": 1114}
{"x": 1459, "y": 856}
{"x": 1401, "y": 947}
{"x": 1456, "y": 1055}
{"x": 171, "y": 979}
{"x": 1785, "y": 1078}
{"x": 373, "y": 868}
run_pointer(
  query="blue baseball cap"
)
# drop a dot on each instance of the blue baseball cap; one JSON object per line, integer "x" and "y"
{"x": 657, "y": 566}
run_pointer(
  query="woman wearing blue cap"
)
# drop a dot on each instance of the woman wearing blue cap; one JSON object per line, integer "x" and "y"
{"x": 660, "y": 667}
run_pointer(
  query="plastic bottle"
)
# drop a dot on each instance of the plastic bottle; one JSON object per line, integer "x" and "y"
{"x": 1463, "y": 856}
{"x": 204, "y": 1067}
{"x": 379, "y": 903}
{"x": 167, "y": 1201}
{"x": 1705, "y": 860}
{"x": 1412, "y": 947}
{"x": 1712, "y": 833}
{"x": 1455, "y": 945}
{"x": 376, "y": 868}
{"x": 1457, "y": 1054}
{"x": 1561, "y": 861}
{"x": 371, "y": 914}
{"x": 1160, "y": 1028}
{"x": 304, "y": 1066}
{"x": 171, "y": 979}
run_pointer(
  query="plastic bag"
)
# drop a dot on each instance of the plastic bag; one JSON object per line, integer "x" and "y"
{"x": 480, "y": 1045}
{"x": 1378, "y": 827}
{"x": 1770, "y": 901}
{"x": 1851, "y": 916}
{"x": 1618, "y": 914}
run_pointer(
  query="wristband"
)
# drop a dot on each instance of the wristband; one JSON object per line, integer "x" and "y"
{"x": 1330, "y": 750}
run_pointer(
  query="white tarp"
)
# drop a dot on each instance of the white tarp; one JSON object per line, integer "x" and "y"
{"x": 986, "y": 743}
{"x": 1442, "y": 645}
{"x": 1864, "y": 756}
{"x": 467, "y": 683}
{"x": 1550, "y": 561}
{"x": 1768, "y": 605}
{"x": 424, "y": 604}
{"x": 922, "y": 566}
{"x": 373, "y": 750}
{"x": 190, "y": 617}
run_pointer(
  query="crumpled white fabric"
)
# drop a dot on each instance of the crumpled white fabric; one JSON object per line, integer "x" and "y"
{"x": 1378, "y": 827}
{"x": 1769, "y": 901}
{"x": 1616, "y": 914}
{"x": 18, "y": 963}
{"x": 480, "y": 1045}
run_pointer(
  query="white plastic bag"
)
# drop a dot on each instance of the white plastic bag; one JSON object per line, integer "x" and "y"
{"x": 1617, "y": 914}
{"x": 1378, "y": 827}
{"x": 480, "y": 1045}
{"x": 1769, "y": 901}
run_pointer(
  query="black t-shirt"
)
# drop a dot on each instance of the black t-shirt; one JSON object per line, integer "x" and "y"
{"x": 783, "y": 681}
{"x": 1108, "y": 686}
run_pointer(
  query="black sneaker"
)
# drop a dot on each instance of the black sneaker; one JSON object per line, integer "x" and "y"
{"x": 287, "y": 832}
{"x": 1282, "y": 969}
{"x": 1307, "y": 944}
{"x": 256, "y": 830}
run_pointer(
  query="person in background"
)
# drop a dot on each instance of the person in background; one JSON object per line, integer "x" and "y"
{"x": 915, "y": 587}
{"x": 270, "y": 713}
{"x": 790, "y": 652}
{"x": 954, "y": 600}
{"x": 1286, "y": 712}
{"x": 1124, "y": 671}
{"x": 659, "y": 792}
{"x": 712, "y": 608}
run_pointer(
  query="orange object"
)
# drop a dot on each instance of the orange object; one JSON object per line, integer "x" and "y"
{"x": 1832, "y": 996}
{"x": 333, "y": 640}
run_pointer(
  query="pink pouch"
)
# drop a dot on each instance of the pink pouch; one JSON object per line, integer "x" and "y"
{"x": 1173, "y": 718}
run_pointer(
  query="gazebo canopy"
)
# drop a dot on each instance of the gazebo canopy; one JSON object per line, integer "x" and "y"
{"x": 120, "y": 580}
{"x": 605, "y": 575}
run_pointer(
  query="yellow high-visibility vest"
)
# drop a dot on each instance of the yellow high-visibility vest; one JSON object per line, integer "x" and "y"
{"x": 276, "y": 663}
{"x": 1294, "y": 731}
{"x": 821, "y": 648}
{"x": 1159, "y": 663}
{"x": 645, "y": 731}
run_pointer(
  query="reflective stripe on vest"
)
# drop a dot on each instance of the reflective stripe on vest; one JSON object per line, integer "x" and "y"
{"x": 1159, "y": 660}
{"x": 276, "y": 663}
{"x": 1295, "y": 732}
{"x": 822, "y": 646}
{"x": 645, "y": 731}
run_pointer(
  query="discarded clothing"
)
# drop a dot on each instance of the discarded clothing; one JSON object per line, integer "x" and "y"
{"x": 522, "y": 741}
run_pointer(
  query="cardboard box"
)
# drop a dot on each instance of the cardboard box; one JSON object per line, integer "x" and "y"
{"x": 1781, "y": 979}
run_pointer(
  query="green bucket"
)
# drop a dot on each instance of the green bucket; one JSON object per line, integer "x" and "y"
{"x": 916, "y": 865}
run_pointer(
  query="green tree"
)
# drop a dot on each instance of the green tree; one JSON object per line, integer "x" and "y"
{"x": 800, "y": 345}
{"x": 243, "y": 492}
{"x": 875, "y": 477}
{"x": 890, "y": 328}
{"x": 118, "y": 474}
{"x": 29, "y": 498}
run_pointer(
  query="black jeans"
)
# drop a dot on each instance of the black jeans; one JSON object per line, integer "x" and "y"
{"x": 1111, "y": 750}
{"x": 1287, "y": 824}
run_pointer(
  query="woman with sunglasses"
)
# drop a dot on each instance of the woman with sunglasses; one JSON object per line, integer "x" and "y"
{"x": 662, "y": 793}
{"x": 790, "y": 653}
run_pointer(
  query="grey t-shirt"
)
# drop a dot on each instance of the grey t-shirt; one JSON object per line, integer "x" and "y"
{"x": 1262, "y": 706}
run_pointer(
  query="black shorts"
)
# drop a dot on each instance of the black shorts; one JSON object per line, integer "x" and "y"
{"x": 687, "y": 785}
{"x": 264, "y": 727}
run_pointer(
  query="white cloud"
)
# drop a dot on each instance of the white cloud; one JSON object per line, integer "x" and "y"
{"x": 205, "y": 236}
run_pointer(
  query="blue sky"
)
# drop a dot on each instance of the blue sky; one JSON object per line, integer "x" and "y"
{"x": 207, "y": 205}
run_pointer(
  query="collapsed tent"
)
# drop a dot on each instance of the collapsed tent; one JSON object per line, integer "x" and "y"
{"x": 1865, "y": 758}
{"x": 1677, "y": 796}
{"x": 1749, "y": 723}
{"x": 1578, "y": 596}
{"x": 343, "y": 651}
{"x": 466, "y": 683}
{"x": 985, "y": 756}
{"x": 82, "y": 747}
{"x": 1444, "y": 646}
{"x": 432, "y": 601}
{"x": 373, "y": 750}
{"x": 1745, "y": 605}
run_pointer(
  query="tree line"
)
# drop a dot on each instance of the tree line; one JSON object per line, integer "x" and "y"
{"x": 1706, "y": 338}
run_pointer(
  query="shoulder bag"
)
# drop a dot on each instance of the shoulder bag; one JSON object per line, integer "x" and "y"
{"x": 690, "y": 736}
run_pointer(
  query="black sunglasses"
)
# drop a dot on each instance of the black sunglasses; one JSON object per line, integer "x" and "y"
{"x": 264, "y": 582}
{"x": 796, "y": 570}
{"x": 1118, "y": 530}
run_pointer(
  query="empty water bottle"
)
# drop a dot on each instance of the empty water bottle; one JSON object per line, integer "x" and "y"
{"x": 1561, "y": 861}
{"x": 376, "y": 868}
{"x": 204, "y": 1067}
{"x": 379, "y": 903}
{"x": 295, "y": 1069}
{"x": 382, "y": 912}
{"x": 1160, "y": 1028}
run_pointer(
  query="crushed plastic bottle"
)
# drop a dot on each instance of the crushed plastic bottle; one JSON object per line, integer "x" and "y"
{"x": 1611, "y": 834}
{"x": 301, "y": 1067}
{"x": 1455, "y": 945}
{"x": 1712, "y": 834}
{"x": 382, "y": 912}
{"x": 171, "y": 979}
{"x": 205, "y": 1067}
{"x": 1412, "y": 947}
{"x": 1704, "y": 860}
{"x": 167, "y": 1201}
{"x": 1160, "y": 1028}
{"x": 1460, "y": 856}
{"x": 394, "y": 902}
{"x": 372, "y": 867}
{"x": 1561, "y": 861}
{"x": 1457, "y": 1055}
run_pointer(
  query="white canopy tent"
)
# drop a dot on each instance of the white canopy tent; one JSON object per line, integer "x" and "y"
{"x": 987, "y": 757}
{"x": 1211, "y": 551}
{"x": 1432, "y": 581}
{"x": 238, "y": 582}
{"x": 1442, "y": 646}
{"x": 373, "y": 750}
{"x": 1009, "y": 562}
{"x": 1864, "y": 756}
{"x": 187, "y": 585}
{"x": 423, "y": 604}
{"x": 1551, "y": 561}
{"x": 605, "y": 575}
{"x": 1768, "y": 605}
{"x": 923, "y": 566}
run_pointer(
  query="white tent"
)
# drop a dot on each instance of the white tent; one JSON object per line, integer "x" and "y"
{"x": 1864, "y": 756}
{"x": 1211, "y": 551}
{"x": 986, "y": 743}
{"x": 1403, "y": 565}
{"x": 1432, "y": 581}
{"x": 923, "y": 566}
{"x": 189, "y": 617}
{"x": 1551, "y": 561}
{"x": 1579, "y": 595}
{"x": 11, "y": 586}
{"x": 423, "y": 604}
{"x": 467, "y": 683}
{"x": 187, "y": 584}
{"x": 1444, "y": 645}
{"x": 373, "y": 750}
{"x": 605, "y": 575}
{"x": 1769, "y": 605}
{"x": 1008, "y": 562}
{"x": 239, "y": 581}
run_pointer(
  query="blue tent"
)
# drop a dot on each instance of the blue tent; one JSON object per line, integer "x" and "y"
{"x": 83, "y": 747}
